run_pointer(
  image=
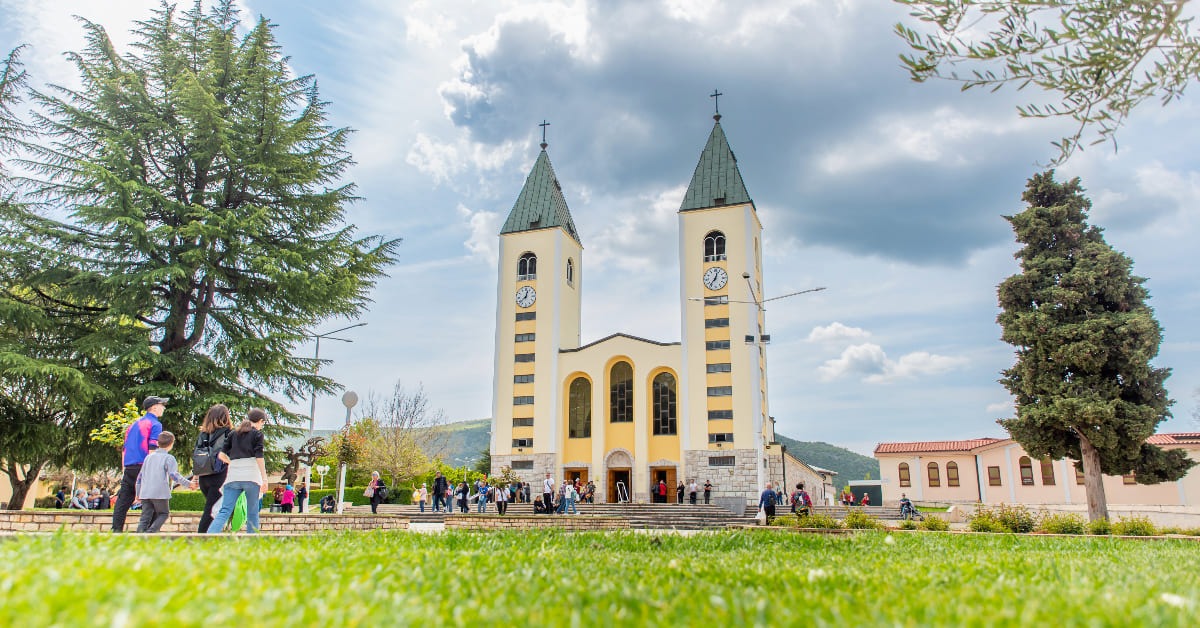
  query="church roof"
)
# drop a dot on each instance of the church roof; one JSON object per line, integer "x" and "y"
{"x": 717, "y": 181}
{"x": 541, "y": 204}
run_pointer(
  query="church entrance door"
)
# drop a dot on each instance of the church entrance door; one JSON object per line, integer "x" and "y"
{"x": 577, "y": 473}
{"x": 664, "y": 474}
{"x": 615, "y": 476}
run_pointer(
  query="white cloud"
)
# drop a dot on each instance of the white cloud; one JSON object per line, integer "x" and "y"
{"x": 443, "y": 161}
{"x": 484, "y": 225}
{"x": 1003, "y": 407}
{"x": 638, "y": 239}
{"x": 836, "y": 331}
{"x": 871, "y": 362}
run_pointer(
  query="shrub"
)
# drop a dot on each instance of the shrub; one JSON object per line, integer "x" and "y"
{"x": 1016, "y": 518}
{"x": 785, "y": 521}
{"x": 1180, "y": 531}
{"x": 986, "y": 520}
{"x": 190, "y": 501}
{"x": 1134, "y": 526}
{"x": 908, "y": 524}
{"x": 1062, "y": 523}
{"x": 934, "y": 524}
{"x": 819, "y": 521}
{"x": 44, "y": 502}
{"x": 859, "y": 520}
{"x": 1100, "y": 527}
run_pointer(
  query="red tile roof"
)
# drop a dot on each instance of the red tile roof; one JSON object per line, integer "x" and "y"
{"x": 936, "y": 445}
{"x": 1174, "y": 439}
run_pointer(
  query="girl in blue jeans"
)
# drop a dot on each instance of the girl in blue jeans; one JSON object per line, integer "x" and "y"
{"x": 247, "y": 473}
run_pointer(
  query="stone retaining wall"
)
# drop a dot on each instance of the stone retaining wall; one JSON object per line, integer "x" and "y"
{"x": 80, "y": 521}
{"x": 565, "y": 522}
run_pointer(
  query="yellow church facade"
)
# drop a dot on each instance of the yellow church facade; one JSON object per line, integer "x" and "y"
{"x": 628, "y": 412}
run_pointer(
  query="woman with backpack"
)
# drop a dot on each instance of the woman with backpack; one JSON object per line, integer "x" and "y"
{"x": 214, "y": 431}
{"x": 247, "y": 473}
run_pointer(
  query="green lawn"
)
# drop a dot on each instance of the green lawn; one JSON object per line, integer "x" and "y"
{"x": 547, "y": 578}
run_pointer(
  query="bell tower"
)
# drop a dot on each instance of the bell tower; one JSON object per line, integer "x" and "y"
{"x": 537, "y": 314}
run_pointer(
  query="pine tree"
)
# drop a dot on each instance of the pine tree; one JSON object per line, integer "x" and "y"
{"x": 1083, "y": 381}
{"x": 189, "y": 227}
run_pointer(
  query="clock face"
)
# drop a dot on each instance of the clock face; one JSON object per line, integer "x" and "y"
{"x": 715, "y": 278}
{"x": 526, "y": 296}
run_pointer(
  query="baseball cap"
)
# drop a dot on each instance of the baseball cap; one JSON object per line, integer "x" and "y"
{"x": 149, "y": 402}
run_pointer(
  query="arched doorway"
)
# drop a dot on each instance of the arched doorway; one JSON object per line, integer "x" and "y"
{"x": 619, "y": 468}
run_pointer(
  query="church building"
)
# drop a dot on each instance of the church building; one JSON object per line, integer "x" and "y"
{"x": 628, "y": 412}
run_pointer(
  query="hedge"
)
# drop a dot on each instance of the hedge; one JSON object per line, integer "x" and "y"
{"x": 194, "y": 500}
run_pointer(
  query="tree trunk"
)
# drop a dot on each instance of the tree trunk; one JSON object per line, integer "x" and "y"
{"x": 1093, "y": 480}
{"x": 21, "y": 485}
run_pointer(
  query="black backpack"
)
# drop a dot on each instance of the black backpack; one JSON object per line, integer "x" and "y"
{"x": 204, "y": 457}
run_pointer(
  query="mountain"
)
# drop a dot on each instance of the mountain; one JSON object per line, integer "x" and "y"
{"x": 464, "y": 440}
{"x": 848, "y": 464}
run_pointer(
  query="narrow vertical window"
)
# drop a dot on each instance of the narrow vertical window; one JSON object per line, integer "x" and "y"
{"x": 714, "y": 246}
{"x": 1026, "y": 471}
{"x": 993, "y": 476}
{"x": 570, "y": 271}
{"x": 905, "y": 478}
{"x": 1047, "y": 472}
{"x": 620, "y": 384}
{"x": 579, "y": 421}
{"x": 935, "y": 477}
{"x": 527, "y": 267}
{"x": 663, "y": 390}
{"x": 951, "y": 473}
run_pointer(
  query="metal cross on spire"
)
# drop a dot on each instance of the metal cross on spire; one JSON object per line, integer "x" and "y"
{"x": 544, "y": 124}
{"x": 716, "y": 96}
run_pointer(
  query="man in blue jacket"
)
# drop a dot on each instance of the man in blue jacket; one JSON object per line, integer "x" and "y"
{"x": 140, "y": 439}
{"x": 766, "y": 502}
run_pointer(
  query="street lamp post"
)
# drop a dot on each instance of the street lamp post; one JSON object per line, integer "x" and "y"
{"x": 312, "y": 408}
{"x": 350, "y": 399}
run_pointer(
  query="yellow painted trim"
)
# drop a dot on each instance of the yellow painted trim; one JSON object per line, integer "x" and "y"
{"x": 525, "y": 327}
{"x": 718, "y": 379}
{"x": 717, "y": 333}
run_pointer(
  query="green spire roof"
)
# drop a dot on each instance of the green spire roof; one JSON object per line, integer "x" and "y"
{"x": 717, "y": 180}
{"x": 541, "y": 203}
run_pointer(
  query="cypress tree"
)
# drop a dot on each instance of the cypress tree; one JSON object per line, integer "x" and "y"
{"x": 1083, "y": 380}
{"x": 186, "y": 214}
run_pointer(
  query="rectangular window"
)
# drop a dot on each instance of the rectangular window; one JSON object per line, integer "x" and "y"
{"x": 993, "y": 476}
{"x": 523, "y": 401}
{"x": 522, "y": 465}
{"x": 526, "y": 316}
{"x": 1047, "y": 472}
{"x": 935, "y": 476}
{"x": 720, "y": 438}
{"x": 716, "y": 322}
{"x": 723, "y": 367}
{"x": 721, "y": 461}
{"x": 1027, "y": 475}
{"x": 951, "y": 474}
{"x": 523, "y": 422}
{"x": 715, "y": 415}
{"x": 716, "y": 345}
{"x": 524, "y": 357}
{"x": 522, "y": 442}
{"x": 1129, "y": 478}
{"x": 522, "y": 379}
{"x": 905, "y": 478}
{"x": 720, "y": 391}
{"x": 524, "y": 337}
{"x": 722, "y": 300}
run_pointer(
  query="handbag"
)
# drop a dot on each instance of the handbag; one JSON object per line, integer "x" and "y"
{"x": 370, "y": 492}
{"x": 761, "y": 517}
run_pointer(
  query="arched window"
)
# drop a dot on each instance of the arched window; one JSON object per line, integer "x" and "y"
{"x": 951, "y": 473}
{"x": 579, "y": 410}
{"x": 905, "y": 479}
{"x": 620, "y": 382}
{"x": 1047, "y": 472}
{"x": 1026, "y": 471}
{"x": 935, "y": 477}
{"x": 527, "y": 267}
{"x": 570, "y": 271}
{"x": 663, "y": 415}
{"x": 714, "y": 246}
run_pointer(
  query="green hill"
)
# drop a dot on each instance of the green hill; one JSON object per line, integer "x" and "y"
{"x": 848, "y": 464}
{"x": 464, "y": 440}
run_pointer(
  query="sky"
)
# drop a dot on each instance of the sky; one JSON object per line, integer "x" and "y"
{"x": 888, "y": 193}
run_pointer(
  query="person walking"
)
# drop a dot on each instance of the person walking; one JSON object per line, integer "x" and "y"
{"x": 439, "y": 492}
{"x": 247, "y": 474}
{"x": 547, "y": 491}
{"x": 502, "y": 497}
{"x": 214, "y": 431}
{"x": 154, "y": 484}
{"x": 766, "y": 502}
{"x": 482, "y": 493}
{"x": 374, "y": 487}
{"x": 423, "y": 496}
{"x": 464, "y": 490}
{"x": 570, "y": 496}
{"x": 140, "y": 438}
{"x": 693, "y": 488}
{"x": 707, "y": 491}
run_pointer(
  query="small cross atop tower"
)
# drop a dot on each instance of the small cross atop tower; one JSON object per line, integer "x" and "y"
{"x": 544, "y": 124}
{"x": 716, "y": 96}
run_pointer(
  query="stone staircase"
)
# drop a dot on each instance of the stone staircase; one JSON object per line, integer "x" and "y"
{"x": 640, "y": 516}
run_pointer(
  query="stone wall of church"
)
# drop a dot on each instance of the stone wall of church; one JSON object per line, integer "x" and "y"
{"x": 796, "y": 472}
{"x": 542, "y": 464}
{"x": 739, "y": 480}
